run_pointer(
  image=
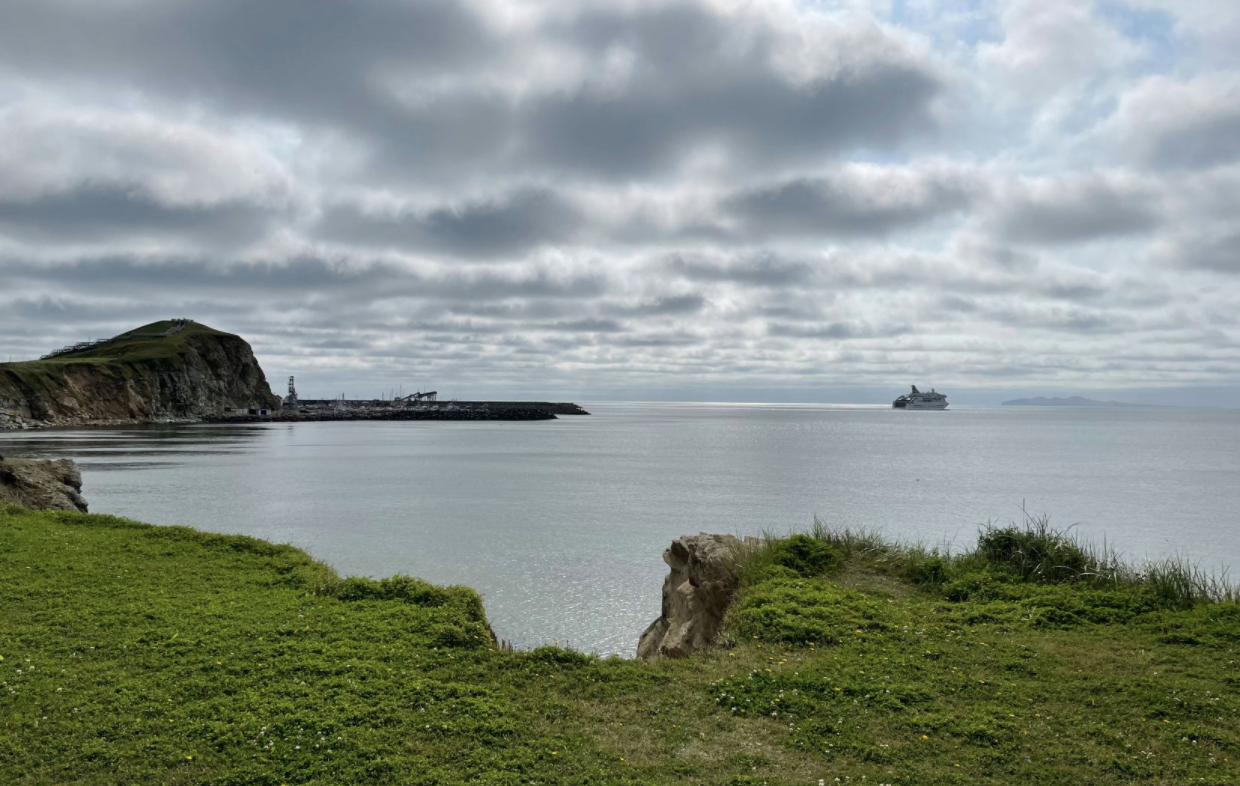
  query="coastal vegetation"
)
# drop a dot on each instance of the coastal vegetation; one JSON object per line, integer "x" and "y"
{"x": 137, "y": 654}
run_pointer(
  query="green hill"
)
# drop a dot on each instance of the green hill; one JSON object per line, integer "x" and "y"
{"x": 150, "y": 373}
{"x": 155, "y": 341}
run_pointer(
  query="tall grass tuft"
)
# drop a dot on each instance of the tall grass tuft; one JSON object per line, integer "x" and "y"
{"x": 1184, "y": 583}
{"x": 1040, "y": 553}
{"x": 1032, "y": 551}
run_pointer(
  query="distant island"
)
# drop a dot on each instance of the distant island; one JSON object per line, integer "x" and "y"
{"x": 1071, "y": 401}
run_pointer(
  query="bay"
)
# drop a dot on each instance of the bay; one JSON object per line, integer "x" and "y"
{"x": 561, "y": 524}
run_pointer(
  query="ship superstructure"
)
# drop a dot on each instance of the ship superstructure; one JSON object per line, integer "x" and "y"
{"x": 920, "y": 400}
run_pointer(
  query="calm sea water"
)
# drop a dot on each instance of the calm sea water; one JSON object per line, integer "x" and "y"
{"x": 561, "y": 524}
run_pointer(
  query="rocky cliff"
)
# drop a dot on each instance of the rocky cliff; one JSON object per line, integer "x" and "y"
{"x": 41, "y": 485}
{"x": 159, "y": 372}
{"x": 696, "y": 594}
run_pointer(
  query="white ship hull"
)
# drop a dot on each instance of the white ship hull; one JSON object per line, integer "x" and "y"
{"x": 925, "y": 405}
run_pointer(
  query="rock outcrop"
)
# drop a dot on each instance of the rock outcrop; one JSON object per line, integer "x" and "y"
{"x": 154, "y": 373}
{"x": 41, "y": 485}
{"x": 696, "y": 595}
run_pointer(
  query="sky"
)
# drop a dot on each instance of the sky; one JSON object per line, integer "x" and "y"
{"x": 711, "y": 200}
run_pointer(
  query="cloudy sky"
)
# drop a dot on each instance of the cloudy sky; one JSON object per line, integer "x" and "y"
{"x": 773, "y": 200}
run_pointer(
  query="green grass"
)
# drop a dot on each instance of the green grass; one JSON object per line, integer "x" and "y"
{"x": 135, "y": 346}
{"x": 145, "y": 655}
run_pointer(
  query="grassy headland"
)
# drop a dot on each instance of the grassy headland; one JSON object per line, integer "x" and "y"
{"x": 122, "y": 358}
{"x": 141, "y": 345}
{"x": 136, "y": 654}
{"x": 142, "y": 375}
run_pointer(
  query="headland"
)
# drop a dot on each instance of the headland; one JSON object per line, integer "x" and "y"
{"x": 183, "y": 371}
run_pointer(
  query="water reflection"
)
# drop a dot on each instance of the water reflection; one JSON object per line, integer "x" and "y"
{"x": 103, "y": 447}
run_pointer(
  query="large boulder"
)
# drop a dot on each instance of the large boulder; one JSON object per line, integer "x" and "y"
{"x": 41, "y": 485}
{"x": 696, "y": 594}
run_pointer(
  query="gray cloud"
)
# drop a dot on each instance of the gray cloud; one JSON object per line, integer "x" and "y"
{"x": 509, "y": 226}
{"x": 761, "y": 270}
{"x": 834, "y": 206}
{"x": 1216, "y": 253}
{"x": 1167, "y": 124}
{"x": 699, "y": 75}
{"x": 671, "y": 305}
{"x": 758, "y": 116}
{"x": 93, "y": 213}
{"x": 376, "y": 71}
{"x": 1075, "y": 210}
{"x": 1056, "y": 319}
{"x": 303, "y": 57}
{"x": 306, "y": 276}
{"x": 838, "y": 331}
{"x": 588, "y": 325}
{"x": 1073, "y": 291}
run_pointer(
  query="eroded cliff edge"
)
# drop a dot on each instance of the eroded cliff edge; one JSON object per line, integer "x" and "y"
{"x": 159, "y": 372}
{"x": 41, "y": 485}
{"x": 700, "y": 585}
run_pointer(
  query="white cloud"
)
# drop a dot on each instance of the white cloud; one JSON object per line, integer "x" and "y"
{"x": 51, "y": 151}
{"x": 1162, "y": 122}
{"x": 1050, "y": 45}
{"x": 1212, "y": 25}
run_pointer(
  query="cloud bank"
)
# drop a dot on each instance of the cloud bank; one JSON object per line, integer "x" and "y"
{"x": 633, "y": 198}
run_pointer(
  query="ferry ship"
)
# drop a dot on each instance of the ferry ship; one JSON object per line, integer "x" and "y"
{"x": 920, "y": 400}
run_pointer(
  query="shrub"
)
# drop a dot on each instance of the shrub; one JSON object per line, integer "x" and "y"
{"x": 558, "y": 656}
{"x": 410, "y": 590}
{"x": 465, "y": 636}
{"x": 406, "y": 588}
{"x": 808, "y": 556}
{"x": 800, "y": 611}
{"x": 927, "y": 568}
{"x": 1037, "y": 552}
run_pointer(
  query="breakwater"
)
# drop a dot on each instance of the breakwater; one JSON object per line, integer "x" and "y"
{"x": 456, "y": 410}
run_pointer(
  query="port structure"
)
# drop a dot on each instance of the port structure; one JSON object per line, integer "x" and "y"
{"x": 417, "y": 400}
{"x": 420, "y": 397}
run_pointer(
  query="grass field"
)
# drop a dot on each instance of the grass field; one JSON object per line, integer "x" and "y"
{"x": 152, "y": 655}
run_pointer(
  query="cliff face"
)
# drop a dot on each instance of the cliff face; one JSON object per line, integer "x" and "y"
{"x": 142, "y": 376}
{"x": 41, "y": 485}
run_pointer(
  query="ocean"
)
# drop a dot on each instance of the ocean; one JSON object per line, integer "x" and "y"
{"x": 561, "y": 524}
